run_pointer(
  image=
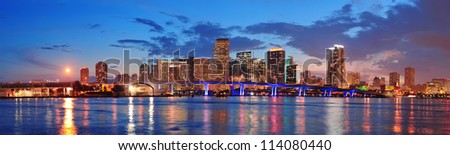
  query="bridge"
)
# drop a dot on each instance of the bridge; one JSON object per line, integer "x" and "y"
{"x": 301, "y": 88}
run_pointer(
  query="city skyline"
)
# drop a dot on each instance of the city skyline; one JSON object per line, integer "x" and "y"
{"x": 53, "y": 44}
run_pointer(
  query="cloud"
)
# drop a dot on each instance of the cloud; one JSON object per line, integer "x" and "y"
{"x": 240, "y": 43}
{"x": 32, "y": 57}
{"x": 375, "y": 64}
{"x": 208, "y": 30}
{"x": 180, "y": 18}
{"x": 434, "y": 40}
{"x": 153, "y": 25}
{"x": 141, "y": 45}
{"x": 94, "y": 26}
{"x": 63, "y": 48}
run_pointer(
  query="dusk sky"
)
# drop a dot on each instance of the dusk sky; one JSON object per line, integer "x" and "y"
{"x": 39, "y": 39}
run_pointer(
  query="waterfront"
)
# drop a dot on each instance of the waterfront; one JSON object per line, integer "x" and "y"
{"x": 231, "y": 115}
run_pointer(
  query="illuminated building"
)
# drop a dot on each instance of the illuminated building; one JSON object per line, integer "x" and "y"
{"x": 101, "y": 72}
{"x": 292, "y": 74}
{"x": 134, "y": 78}
{"x": 126, "y": 78}
{"x": 244, "y": 66}
{"x": 353, "y": 78}
{"x": 201, "y": 69}
{"x": 143, "y": 73}
{"x": 220, "y": 59}
{"x": 259, "y": 72}
{"x": 410, "y": 76}
{"x": 275, "y": 65}
{"x": 84, "y": 75}
{"x": 376, "y": 83}
{"x": 119, "y": 78}
{"x": 336, "y": 72}
{"x": 394, "y": 79}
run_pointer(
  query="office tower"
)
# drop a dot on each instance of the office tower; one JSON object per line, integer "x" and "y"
{"x": 292, "y": 76}
{"x": 244, "y": 65}
{"x": 353, "y": 78}
{"x": 220, "y": 59}
{"x": 126, "y": 79}
{"x": 336, "y": 72}
{"x": 101, "y": 72}
{"x": 119, "y": 78}
{"x": 134, "y": 78}
{"x": 376, "y": 83}
{"x": 275, "y": 65}
{"x": 394, "y": 79}
{"x": 410, "y": 76}
{"x": 383, "y": 81}
{"x": 84, "y": 75}
{"x": 144, "y": 71}
{"x": 259, "y": 70}
{"x": 290, "y": 61}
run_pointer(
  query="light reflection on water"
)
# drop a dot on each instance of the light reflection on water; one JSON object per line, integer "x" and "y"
{"x": 68, "y": 127}
{"x": 232, "y": 115}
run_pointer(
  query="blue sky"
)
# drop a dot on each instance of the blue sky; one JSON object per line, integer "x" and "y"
{"x": 40, "y": 39}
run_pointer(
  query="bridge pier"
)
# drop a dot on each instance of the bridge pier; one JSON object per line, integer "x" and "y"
{"x": 171, "y": 88}
{"x": 330, "y": 92}
{"x": 241, "y": 90}
{"x": 274, "y": 91}
{"x": 300, "y": 91}
{"x": 205, "y": 87}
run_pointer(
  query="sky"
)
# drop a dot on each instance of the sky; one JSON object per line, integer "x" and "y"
{"x": 39, "y": 39}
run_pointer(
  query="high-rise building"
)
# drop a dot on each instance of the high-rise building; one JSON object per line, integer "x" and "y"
{"x": 336, "y": 72}
{"x": 410, "y": 76}
{"x": 144, "y": 70}
{"x": 119, "y": 78}
{"x": 220, "y": 59}
{"x": 244, "y": 66}
{"x": 291, "y": 74}
{"x": 394, "y": 79}
{"x": 101, "y": 72}
{"x": 134, "y": 78}
{"x": 376, "y": 83}
{"x": 84, "y": 75}
{"x": 275, "y": 66}
{"x": 259, "y": 72}
{"x": 383, "y": 81}
{"x": 126, "y": 78}
{"x": 353, "y": 78}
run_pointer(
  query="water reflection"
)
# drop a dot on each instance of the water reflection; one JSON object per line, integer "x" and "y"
{"x": 131, "y": 125}
{"x": 335, "y": 120}
{"x": 151, "y": 113}
{"x": 397, "y": 127}
{"x": 68, "y": 127}
{"x": 366, "y": 117}
{"x": 233, "y": 115}
{"x": 86, "y": 112}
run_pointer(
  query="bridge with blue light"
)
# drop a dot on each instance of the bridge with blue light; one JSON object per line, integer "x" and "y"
{"x": 301, "y": 88}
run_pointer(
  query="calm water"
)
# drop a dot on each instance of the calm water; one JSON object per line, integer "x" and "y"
{"x": 232, "y": 115}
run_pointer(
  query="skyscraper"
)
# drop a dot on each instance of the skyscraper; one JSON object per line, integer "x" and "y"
{"x": 394, "y": 79}
{"x": 84, "y": 75}
{"x": 220, "y": 59}
{"x": 101, "y": 72}
{"x": 353, "y": 78}
{"x": 410, "y": 76}
{"x": 144, "y": 73}
{"x": 292, "y": 74}
{"x": 336, "y": 72}
{"x": 275, "y": 66}
{"x": 245, "y": 65}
